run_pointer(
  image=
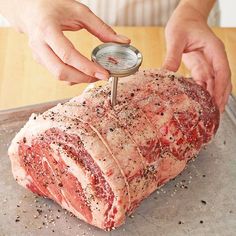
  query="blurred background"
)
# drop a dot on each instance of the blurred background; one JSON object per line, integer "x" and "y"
{"x": 227, "y": 14}
{"x": 25, "y": 82}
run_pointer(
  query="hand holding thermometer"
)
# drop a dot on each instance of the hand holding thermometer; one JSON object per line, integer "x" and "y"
{"x": 119, "y": 60}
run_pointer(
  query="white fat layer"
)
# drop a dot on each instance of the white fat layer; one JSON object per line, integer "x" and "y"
{"x": 65, "y": 204}
{"x": 89, "y": 88}
{"x": 44, "y": 159}
{"x": 97, "y": 209}
{"x": 55, "y": 155}
{"x": 31, "y": 129}
{"x": 19, "y": 173}
{"x": 69, "y": 208}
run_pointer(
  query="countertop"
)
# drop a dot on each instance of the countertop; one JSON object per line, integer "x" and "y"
{"x": 24, "y": 82}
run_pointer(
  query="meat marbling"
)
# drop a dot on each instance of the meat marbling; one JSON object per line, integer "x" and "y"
{"x": 100, "y": 162}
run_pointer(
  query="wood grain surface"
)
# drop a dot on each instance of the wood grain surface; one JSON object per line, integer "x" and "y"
{"x": 24, "y": 82}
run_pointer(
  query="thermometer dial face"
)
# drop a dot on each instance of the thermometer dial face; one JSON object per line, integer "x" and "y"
{"x": 120, "y": 60}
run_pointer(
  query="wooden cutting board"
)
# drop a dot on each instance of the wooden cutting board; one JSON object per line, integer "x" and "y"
{"x": 24, "y": 82}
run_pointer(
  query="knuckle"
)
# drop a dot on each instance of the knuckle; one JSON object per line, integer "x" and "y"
{"x": 83, "y": 8}
{"x": 86, "y": 69}
{"x": 219, "y": 43}
{"x": 104, "y": 29}
{"x": 226, "y": 71}
{"x": 44, "y": 27}
{"x": 60, "y": 73}
{"x": 173, "y": 34}
{"x": 104, "y": 26}
{"x": 207, "y": 75}
{"x": 223, "y": 73}
{"x": 66, "y": 55}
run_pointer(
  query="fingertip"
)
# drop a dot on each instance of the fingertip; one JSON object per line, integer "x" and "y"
{"x": 226, "y": 95}
{"x": 122, "y": 39}
{"x": 201, "y": 83}
{"x": 222, "y": 109}
{"x": 170, "y": 66}
{"x": 172, "y": 63}
{"x": 220, "y": 104}
{"x": 101, "y": 76}
{"x": 70, "y": 83}
{"x": 92, "y": 80}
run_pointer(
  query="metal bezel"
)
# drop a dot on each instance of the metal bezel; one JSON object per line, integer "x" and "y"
{"x": 121, "y": 73}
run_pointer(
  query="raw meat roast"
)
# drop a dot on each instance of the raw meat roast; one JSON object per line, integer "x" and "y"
{"x": 100, "y": 162}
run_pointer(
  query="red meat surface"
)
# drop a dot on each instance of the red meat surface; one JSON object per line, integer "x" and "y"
{"x": 99, "y": 162}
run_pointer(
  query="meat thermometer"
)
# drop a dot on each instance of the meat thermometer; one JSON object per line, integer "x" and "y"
{"x": 119, "y": 60}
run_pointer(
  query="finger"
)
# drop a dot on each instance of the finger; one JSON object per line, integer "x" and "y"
{"x": 47, "y": 58}
{"x": 210, "y": 85}
{"x": 71, "y": 83}
{"x": 216, "y": 55}
{"x": 226, "y": 97}
{"x": 201, "y": 83}
{"x": 174, "y": 51}
{"x": 99, "y": 28}
{"x": 65, "y": 50}
{"x": 201, "y": 70}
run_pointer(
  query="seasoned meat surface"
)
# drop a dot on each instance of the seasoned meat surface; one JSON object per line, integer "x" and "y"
{"x": 99, "y": 162}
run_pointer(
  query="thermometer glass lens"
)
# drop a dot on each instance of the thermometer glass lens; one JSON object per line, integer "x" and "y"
{"x": 116, "y": 61}
{"x": 119, "y": 60}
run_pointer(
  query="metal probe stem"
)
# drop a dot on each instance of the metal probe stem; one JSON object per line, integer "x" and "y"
{"x": 114, "y": 84}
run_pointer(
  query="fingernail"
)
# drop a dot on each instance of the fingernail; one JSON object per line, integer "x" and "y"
{"x": 220, "y": 101}
{"x": 101, "y": 76}
{"x": 123, "y": 38}
{"x": 70, "y": 83}
{"x": 222, "y": 109}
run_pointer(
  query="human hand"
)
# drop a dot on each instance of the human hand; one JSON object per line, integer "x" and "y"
{"x": 44, "y": 21}
{"x": 204, "y": 54}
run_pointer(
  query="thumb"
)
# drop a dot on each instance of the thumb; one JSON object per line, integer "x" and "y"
{"x": 173, "y": 56}
{"x": 100, "y": 29}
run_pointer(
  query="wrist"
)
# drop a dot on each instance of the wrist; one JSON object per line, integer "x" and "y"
{"x": 187, "y": 12}
{"x": 202, "y": 7}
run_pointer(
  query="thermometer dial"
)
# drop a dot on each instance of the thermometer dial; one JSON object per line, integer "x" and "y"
{"x": 120, "y": 60}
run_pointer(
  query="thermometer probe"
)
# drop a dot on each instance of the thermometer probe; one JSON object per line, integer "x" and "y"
{"x": 119, "y": 60}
